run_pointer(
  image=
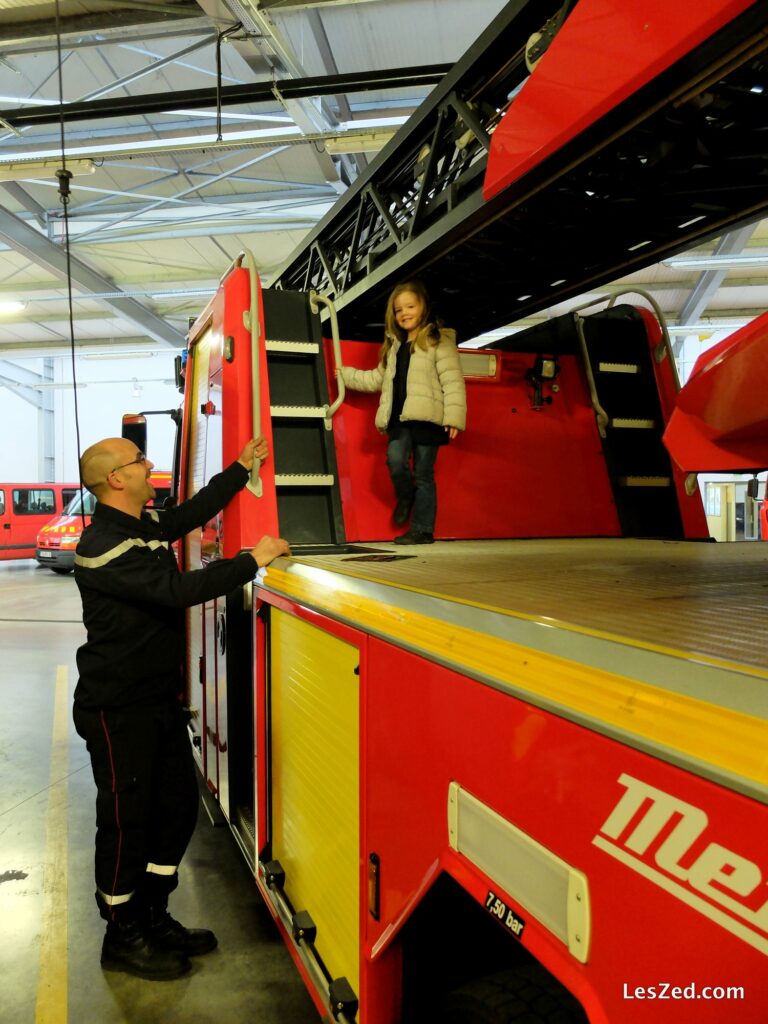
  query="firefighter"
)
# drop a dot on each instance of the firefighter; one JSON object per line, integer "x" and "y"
{"x": 129, "y": 696}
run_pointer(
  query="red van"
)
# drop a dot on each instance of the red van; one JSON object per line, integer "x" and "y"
{"x": 57, "y": 540}
{"x": 24, "y": 508}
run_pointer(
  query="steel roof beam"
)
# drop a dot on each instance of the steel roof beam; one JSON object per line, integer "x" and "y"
{"x": 82, "y": 30}
{"x": 710, "y": 280}
{"x": 193, "y": 189}
{"x": 281, "y": 6}
{"x": 358, "y": 160}
{"x": 20, "y": 374}
{"x": 150, "y": 69}
{"x": 147, "y": 233}
{"x": 240, "y": 201}
{"x": 60, "y": 317}
{"x": 22, "y": 391}
{"x": 38, "y": 250}
{"x": 255, "y": 92}
{"x": 61, "y": 349}
{"x": 22, "y": 382}
{"x": 263, "y": 36}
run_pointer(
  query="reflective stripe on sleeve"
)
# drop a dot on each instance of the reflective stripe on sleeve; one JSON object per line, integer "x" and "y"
{"x": 116, "y": 552}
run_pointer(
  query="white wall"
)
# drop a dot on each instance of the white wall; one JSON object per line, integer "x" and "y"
{"x": 19, "y": 430}
{"x": 105, "y": 392}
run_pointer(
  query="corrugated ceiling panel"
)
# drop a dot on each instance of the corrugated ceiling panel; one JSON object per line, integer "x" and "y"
{"x": 399, "y": 33}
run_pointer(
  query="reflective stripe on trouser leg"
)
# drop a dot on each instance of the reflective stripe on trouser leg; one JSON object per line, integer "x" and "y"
{"x": 114, "y": 901}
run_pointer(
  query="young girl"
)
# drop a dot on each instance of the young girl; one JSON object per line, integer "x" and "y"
{"x": 423, "y": 403}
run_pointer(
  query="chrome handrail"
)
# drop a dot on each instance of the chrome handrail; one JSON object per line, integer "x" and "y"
{"x": 664, "y": 348}
{"x": 314, "y": 299}
{"x": 600, "y": 413}
{"x": 251, "y": 323}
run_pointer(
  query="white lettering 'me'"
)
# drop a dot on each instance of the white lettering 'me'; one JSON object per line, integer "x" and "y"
{"x": 662, "y": 807}
{"x": 722, "y": 876}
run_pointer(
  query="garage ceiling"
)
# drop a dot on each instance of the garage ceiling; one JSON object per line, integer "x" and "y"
{"x": 199, "y": 136}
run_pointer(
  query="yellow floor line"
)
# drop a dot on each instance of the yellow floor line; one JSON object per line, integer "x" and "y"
{"x": 51, "y": 1003}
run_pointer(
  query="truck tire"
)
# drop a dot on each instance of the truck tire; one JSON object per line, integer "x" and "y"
{"x": 522, "y": 995}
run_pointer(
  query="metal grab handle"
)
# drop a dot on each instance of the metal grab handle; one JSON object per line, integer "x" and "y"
{"x": 664, "y": 348}
{"x": 661, "y": 351}
{"x": 602, "y": 416}
{"x": 314, "y": 299}
{"x": 251, "y": 323}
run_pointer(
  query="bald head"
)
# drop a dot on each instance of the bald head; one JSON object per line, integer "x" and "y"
{"x": 118, "y": 474}
{"x": 98, "y": 461}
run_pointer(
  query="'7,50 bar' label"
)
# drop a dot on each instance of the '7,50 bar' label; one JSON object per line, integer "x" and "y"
{"x": 497, "y": 908}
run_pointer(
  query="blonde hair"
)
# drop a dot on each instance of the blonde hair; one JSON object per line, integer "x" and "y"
{"x": 429, "y": 328}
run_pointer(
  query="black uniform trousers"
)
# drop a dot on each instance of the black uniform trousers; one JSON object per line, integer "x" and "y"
{"x": 147, "y": 796}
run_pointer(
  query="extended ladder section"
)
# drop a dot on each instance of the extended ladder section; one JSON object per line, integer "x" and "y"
{"x": 306, "y": 479}
{"x": 645, "y": 171}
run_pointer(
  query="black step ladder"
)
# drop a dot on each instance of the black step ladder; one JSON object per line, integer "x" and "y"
{"x": 306, "y": 477}
{"x": 619, "y": 366}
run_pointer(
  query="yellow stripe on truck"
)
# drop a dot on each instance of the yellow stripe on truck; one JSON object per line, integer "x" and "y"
{"x": 711, "y": 734}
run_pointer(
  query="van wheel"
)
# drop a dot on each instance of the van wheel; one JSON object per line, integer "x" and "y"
{"x": 61, "y": 572}
{"x": 522, "y": 995}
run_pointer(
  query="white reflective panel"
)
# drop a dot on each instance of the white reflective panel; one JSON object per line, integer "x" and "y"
{"x": 547, "y": 887}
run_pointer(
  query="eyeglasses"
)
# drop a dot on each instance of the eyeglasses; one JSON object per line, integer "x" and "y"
{"x": 140, "y": 460}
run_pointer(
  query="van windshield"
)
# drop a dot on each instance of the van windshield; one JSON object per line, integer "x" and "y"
{"x": 75, "y": 507}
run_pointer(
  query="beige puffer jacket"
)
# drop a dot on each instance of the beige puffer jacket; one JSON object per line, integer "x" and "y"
{"x": 435, "y": 386}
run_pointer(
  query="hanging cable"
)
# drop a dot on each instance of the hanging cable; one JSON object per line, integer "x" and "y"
{"x": 64, "y": 177}
{"x": 219, "y": 40}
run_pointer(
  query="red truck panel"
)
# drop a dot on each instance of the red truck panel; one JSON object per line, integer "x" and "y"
{"x": 611, "y": 48}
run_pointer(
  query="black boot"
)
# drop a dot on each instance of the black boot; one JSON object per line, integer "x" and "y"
{"x": 402, "y": 511}
{"x": 127, "y": 949}
{"x": 164, "y": 931}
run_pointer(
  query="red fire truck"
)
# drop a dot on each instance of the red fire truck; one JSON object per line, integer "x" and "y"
{"x": 523, "y": 770}
{"x": 57, "y": 540}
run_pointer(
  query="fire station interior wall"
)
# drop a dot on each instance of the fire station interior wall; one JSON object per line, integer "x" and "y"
{"x": 107, "y": 389}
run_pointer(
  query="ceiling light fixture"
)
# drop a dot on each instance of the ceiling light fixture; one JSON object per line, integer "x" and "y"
{"x": 708, "y": 328}
{"x": 723, "y": 262}
{"x": 11, "y": 306}
{"x": 27, "y": 170}
{"x": 284, "y": 135}
{"x": 123, "y": 354}
{"x": 355, "y": 142}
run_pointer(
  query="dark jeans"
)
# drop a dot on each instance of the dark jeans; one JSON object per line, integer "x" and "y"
{"x": 147, "y": 796}
{"x": 415, "y": 485}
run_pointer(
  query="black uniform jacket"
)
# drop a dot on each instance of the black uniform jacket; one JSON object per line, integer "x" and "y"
{"x": 134, "y": 596}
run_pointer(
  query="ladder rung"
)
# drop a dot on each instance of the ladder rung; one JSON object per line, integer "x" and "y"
{"x": 618, "y": 368}
{"x": 303, "y": 348}
{"x": 633, "y": 424}
{"x": 304, "y": 480}
{"x": 298, "y": 411}
{"x": 644, "y": 481}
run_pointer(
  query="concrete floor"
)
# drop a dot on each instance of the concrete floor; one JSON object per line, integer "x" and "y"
{"x": 50, "y": 930}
